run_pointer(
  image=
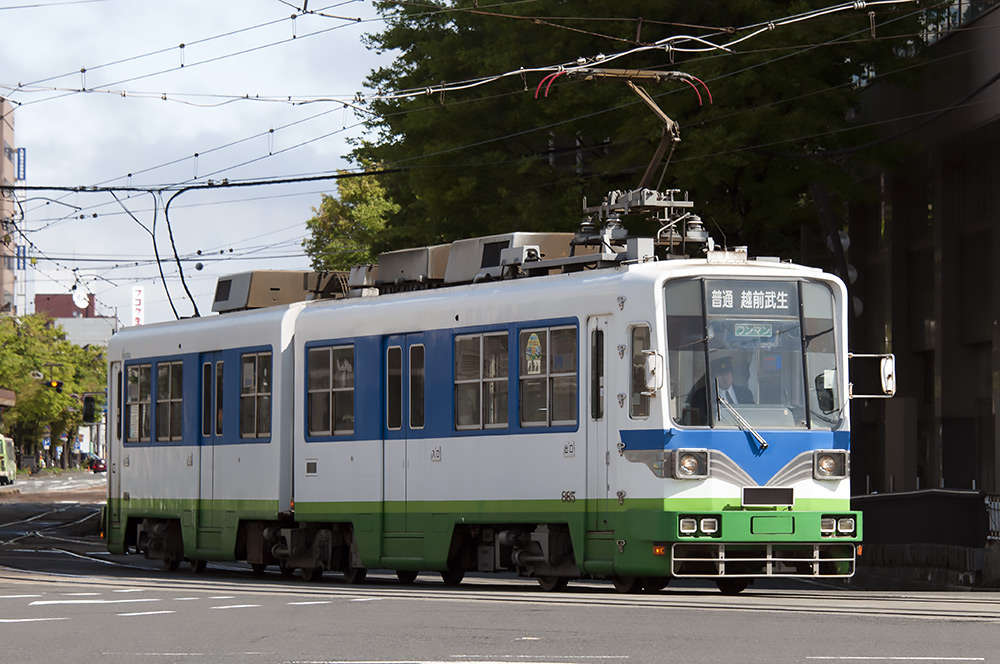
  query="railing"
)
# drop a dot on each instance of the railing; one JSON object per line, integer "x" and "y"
{"x": 942, "y": 19}
{"x": 993, "y": 515}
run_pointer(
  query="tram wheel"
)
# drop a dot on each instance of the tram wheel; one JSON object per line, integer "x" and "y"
{"x": 553, "y": 584}
{"x": 453, "y": 577}
{"x": 287, "y": 570}
{"x": 406, "y": 576}
{"x": 170, "y": 563}
{"x": 198, "y": 566}
{"x": 258, "y": 568}
{"x": 355, "y": 575}
{"x": 654, "y": 584}
{"x": 312, "y": 573}
{"x": 732, "y": 586}
{"x": 627, "y": 584}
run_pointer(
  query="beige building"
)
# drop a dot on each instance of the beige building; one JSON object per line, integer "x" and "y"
{"x": 8, "y": 236}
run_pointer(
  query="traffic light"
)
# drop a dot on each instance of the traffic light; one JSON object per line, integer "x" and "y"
{"x": 55, "y": 385}
{"x": 88, "y": 410}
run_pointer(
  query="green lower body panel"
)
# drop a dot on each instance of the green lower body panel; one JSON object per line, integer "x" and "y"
{"x": 209, "y": 527}
{"x": 633, "y": 537}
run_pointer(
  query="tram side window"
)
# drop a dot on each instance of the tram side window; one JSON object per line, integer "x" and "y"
{"x": 481, "y": 376}
{"x": 639, "y": 402}
{"x": 206, "y": 399}
{"x": 169, "y": 401}
{"x": 255, "y": 395}
{"x": 548, "y": 376}
{"x": 137, "y": 403}
{"x": 330, "y": 408}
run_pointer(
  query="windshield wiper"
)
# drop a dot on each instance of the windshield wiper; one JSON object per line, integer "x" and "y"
{"x": 742, "y": 421}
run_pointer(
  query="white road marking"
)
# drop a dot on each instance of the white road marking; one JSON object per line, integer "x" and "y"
{"x": 17, "y": 596}
{"x": 236, "y": 606}
{"x": 46, "y": 602}
{"x": 367, "y": 599}
{"x": 185, "y": 599}
{"x": 222, "y": 596}
{"x": 129, "y": 590}
{"x": 528, "y": 638}
{"x": 146, "y": 613}
{"x": 81, "y": 594}
{"x": 466, "y": 658}
{"x": 900, "y": 659}
{"x": 21, "y": 620}
{"x": 307, "y": 603}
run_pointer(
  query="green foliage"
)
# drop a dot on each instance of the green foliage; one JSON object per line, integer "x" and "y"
{"x": 34, "y": 350}
{"x": 345, "y": 228}
{"x": 494, "y": 159}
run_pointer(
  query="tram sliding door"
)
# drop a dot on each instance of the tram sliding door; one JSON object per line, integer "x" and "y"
{"x": 597, "y": 346}
{"x": 212, "y": 373}
{"x": 404, "y": 414}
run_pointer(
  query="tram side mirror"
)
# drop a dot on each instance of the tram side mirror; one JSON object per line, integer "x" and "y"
{"x": 888, "y": 374}
{"x": 653, "y": 371}
{"x": 824, "y": 391}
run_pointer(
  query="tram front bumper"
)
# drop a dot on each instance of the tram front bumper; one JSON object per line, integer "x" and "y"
{"x": 762, "y": 543}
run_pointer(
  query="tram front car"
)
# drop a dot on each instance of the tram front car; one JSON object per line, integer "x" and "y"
{"x": 755, "y": 452}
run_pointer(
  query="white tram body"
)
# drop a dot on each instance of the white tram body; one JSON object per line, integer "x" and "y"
{"x": 536, "y": 424}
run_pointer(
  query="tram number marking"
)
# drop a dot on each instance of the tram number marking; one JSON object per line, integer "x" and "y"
{"x": 569, "y": 496}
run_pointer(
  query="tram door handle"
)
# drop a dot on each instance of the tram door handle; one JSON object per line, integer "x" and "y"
{"x": 655, "y": 367}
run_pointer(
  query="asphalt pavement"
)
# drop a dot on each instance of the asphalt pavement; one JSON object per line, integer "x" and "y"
{"x": 63, "y": 598}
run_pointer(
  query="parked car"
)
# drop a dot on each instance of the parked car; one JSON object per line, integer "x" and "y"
{"x": 98, "y": 466}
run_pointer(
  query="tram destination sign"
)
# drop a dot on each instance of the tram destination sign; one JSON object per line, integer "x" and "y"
{"x": 753, "y": 298}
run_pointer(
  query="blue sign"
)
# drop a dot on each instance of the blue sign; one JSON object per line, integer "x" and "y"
{"x": 46, "y": 443}
{"x": 22, "y": 164}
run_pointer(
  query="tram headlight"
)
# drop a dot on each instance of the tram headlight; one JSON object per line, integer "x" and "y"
{"x": 846, "y": 525}
{"x": 688, "y": 526}
{"x": 710, "y": 526}
{"x": 827, "y": 525}
{"x": 829, "y": 464}
{"x": 690, "y": 464}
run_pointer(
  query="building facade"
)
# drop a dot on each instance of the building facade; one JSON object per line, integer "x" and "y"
{"x": 8, "y": 239}
{"x": 927, "y": 251}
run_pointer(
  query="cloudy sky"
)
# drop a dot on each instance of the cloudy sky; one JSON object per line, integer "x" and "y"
{"x": 101, "y": 137}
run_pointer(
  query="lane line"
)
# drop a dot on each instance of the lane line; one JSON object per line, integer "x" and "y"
{"x": 146, "y": 613}
{"x": 185, "y": 599}
{"x": 129, "y": 590}
{"x": 236, "y": 606}
{"x": 309, "y": 603}
{"x": 22, "y": 620}
{"x": 222, "y": 596}
{"x": 47, "y": 602}
{"x": 17, "y": 596}
{"x": 368, "y": 599}
{"x": 81, "y": 594}
{"x": 899, "y": 658}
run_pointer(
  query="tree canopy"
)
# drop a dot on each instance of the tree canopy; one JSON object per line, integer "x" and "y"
{"x": 494, "y": 158}
{"x": 33, "y": 350}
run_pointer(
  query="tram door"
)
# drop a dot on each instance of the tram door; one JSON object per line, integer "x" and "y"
{"x": 212, "y": 372}
{"x": 114, "y": 441}
{"x": 598, "y": 392}
{"x": 403, "y": 416}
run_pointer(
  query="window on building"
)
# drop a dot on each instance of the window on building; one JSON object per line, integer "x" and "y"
{"x": 169, "y": 401}
{"x": 255, "y": 395}
{"x": 481, "y": 376}
{"x": 331, "y": 390}
{"x": 548, "y": 375}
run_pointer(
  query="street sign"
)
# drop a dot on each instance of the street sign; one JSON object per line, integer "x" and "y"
{"x": 46, "y": 443}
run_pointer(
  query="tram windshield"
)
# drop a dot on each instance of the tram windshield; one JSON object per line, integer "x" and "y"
{"x": 767, "y": 347}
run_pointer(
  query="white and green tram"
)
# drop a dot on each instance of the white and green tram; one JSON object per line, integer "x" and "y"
{"x": 498, "y": 404}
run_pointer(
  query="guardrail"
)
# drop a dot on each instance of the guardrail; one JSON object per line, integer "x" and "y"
{"x": 993, "y": 514}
